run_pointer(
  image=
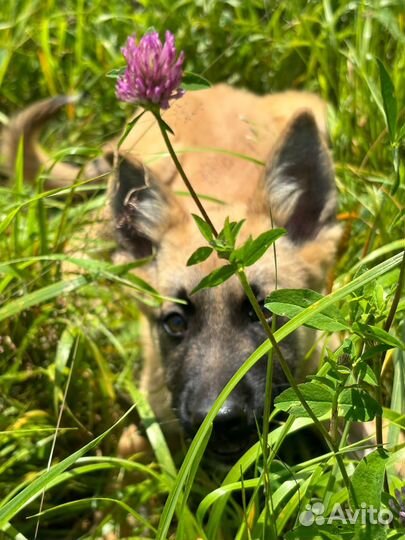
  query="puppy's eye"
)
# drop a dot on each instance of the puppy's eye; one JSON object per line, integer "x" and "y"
{"x": 175, "y": 324}
{"x": 253, "y": 317}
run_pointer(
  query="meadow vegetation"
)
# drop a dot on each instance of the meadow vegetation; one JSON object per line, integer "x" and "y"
{"x": 69, "y": 342}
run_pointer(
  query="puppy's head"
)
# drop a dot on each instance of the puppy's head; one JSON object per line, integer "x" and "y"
{"x": 203, "y": 341}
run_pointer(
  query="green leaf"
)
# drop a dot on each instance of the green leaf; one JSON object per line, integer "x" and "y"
{"x": 42, "y": 295}
{"x": 205, "y": 229}
{"x": 236, "y": 227}
{"x": 368, "y": 479}
{"x": 191, "y": 81}
{"x": 372, "y": 352}
{"x": 378, "y": 334}
{"x": 226, "y": 239}
{"x": 252, "y": 250}
{"x": 318, "y": 396}
{"x": 291, "y": 302}
{"x": 367, "y": 374}
{"x": 164, "y": 124}
{"x": 200, "y": 255}
{"x": 357, "y": 405}
{"x": 227, "y": 233}
{"x": 389, "y": 100}
{"x": 354, "y": 404}
{"x": 128, "y": 128}
{"x": 116, "y": 73}
{"x": 215, "y": 278}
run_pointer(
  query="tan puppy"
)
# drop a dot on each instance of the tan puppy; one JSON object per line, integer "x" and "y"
{"x": 191, "y": 351}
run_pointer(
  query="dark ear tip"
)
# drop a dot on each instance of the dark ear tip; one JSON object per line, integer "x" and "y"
{"x": 304, "y": 120}
{"x": 131, "y": 178}
{"x": 109, "y": 157}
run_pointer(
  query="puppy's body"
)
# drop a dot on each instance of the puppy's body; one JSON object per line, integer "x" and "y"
{"x": 261, "y": 157}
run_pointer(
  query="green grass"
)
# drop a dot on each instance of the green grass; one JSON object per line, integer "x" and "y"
{"x": 69, "y": 341}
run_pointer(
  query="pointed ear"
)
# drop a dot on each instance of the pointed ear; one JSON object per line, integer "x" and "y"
{"x": 143, "y": 208}
{"x": 299, "y": 180}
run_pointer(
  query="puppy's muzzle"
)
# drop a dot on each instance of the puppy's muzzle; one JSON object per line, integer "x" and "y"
{"x": 234, "y": 428}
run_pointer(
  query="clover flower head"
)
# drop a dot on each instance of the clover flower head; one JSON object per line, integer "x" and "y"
{"x": 153, "y": 73}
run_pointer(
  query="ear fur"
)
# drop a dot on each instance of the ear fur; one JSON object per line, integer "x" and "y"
{"x": 143, "y": 208}
{"x": 299, "y": 180}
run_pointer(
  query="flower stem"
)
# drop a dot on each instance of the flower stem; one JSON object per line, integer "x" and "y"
{"x": 183, "y": 175}
{"x": 286, "y": 369}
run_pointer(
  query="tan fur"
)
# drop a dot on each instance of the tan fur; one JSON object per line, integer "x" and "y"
{"x": 211, "y": 127}
{"x": 220, "y": 118}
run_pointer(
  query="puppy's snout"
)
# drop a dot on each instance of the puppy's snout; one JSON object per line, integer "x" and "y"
{"x": 232, "y": 427}
{"x": 231, "y": 418}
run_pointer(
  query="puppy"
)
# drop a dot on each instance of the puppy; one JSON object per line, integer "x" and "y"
{"x": 262, "y": 159}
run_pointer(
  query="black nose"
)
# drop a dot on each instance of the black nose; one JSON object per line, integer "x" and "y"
{"x": 232, "y": 429}
{"x": 230, "y": 418}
